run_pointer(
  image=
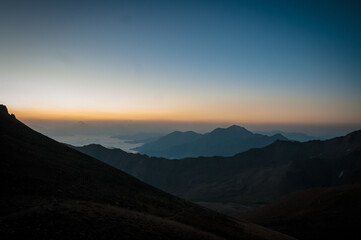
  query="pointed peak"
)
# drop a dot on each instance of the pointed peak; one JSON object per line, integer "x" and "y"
{"x": 4, "y": 112}
{"x": 3, "y": 109}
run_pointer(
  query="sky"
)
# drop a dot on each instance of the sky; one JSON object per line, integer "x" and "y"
{"x": 286, "y": 63}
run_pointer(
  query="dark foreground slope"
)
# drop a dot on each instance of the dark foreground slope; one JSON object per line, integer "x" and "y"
{"x": 317, "y": 213}
{"x": 248, "y": 179}
{"x": 50, "y": 191}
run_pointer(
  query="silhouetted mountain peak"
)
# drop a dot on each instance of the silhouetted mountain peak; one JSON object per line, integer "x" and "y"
{"x": 279, "y": 137}
{"x": 234, "y": 129}
{"x": 94, "y": 145}
{"x": 180, "y": 135}
{"x": 97, "y": 148}
{"x": 3, "y": 110}
{"x": 177, "y": 133}
{"x": 4, "y": 114}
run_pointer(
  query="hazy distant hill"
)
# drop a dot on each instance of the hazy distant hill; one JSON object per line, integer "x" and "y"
{"x": 165, "y": 144}
{"x": 251, "y": 178}
{"x": 316, "y": 213}
{"x": 295, "y": 136}
{"x": 219, "y": 142}
{"x": 50, "y": 191}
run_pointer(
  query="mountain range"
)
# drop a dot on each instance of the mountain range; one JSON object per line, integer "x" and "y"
{"x": 51, "y": 191}
{"x": 248, "y": 179}
{"x": 220, "y": 142}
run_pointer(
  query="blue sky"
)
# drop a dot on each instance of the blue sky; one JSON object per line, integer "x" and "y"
{"x": 235, "y": 61}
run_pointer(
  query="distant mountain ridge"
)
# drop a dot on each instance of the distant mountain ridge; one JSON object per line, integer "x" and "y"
{"x": 294, "y": 136}
{"x": 219, "y": 142}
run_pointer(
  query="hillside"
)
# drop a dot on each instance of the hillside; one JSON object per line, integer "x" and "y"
{"x": 220, "y": 142}
{"x": 50, "y": 191}
{"x": 316, "y": 213}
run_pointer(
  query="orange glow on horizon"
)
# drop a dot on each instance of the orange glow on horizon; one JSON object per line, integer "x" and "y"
{"x": 183, "y": 115}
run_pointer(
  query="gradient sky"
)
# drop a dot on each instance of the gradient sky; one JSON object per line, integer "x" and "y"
{"x": 295, "y": 62}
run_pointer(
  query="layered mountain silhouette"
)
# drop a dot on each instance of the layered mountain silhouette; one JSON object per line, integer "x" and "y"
{"x": 51, "y": 191}
{"x": 220, "y": 142}
{"x": 248, "y": 179}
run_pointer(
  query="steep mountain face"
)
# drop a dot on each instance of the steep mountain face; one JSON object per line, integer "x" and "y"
{"x": 50, "y": 191}
{"x": 248, "y": 179}
{"x": 316, "y": 213}
{"x": 219, "y": 142}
